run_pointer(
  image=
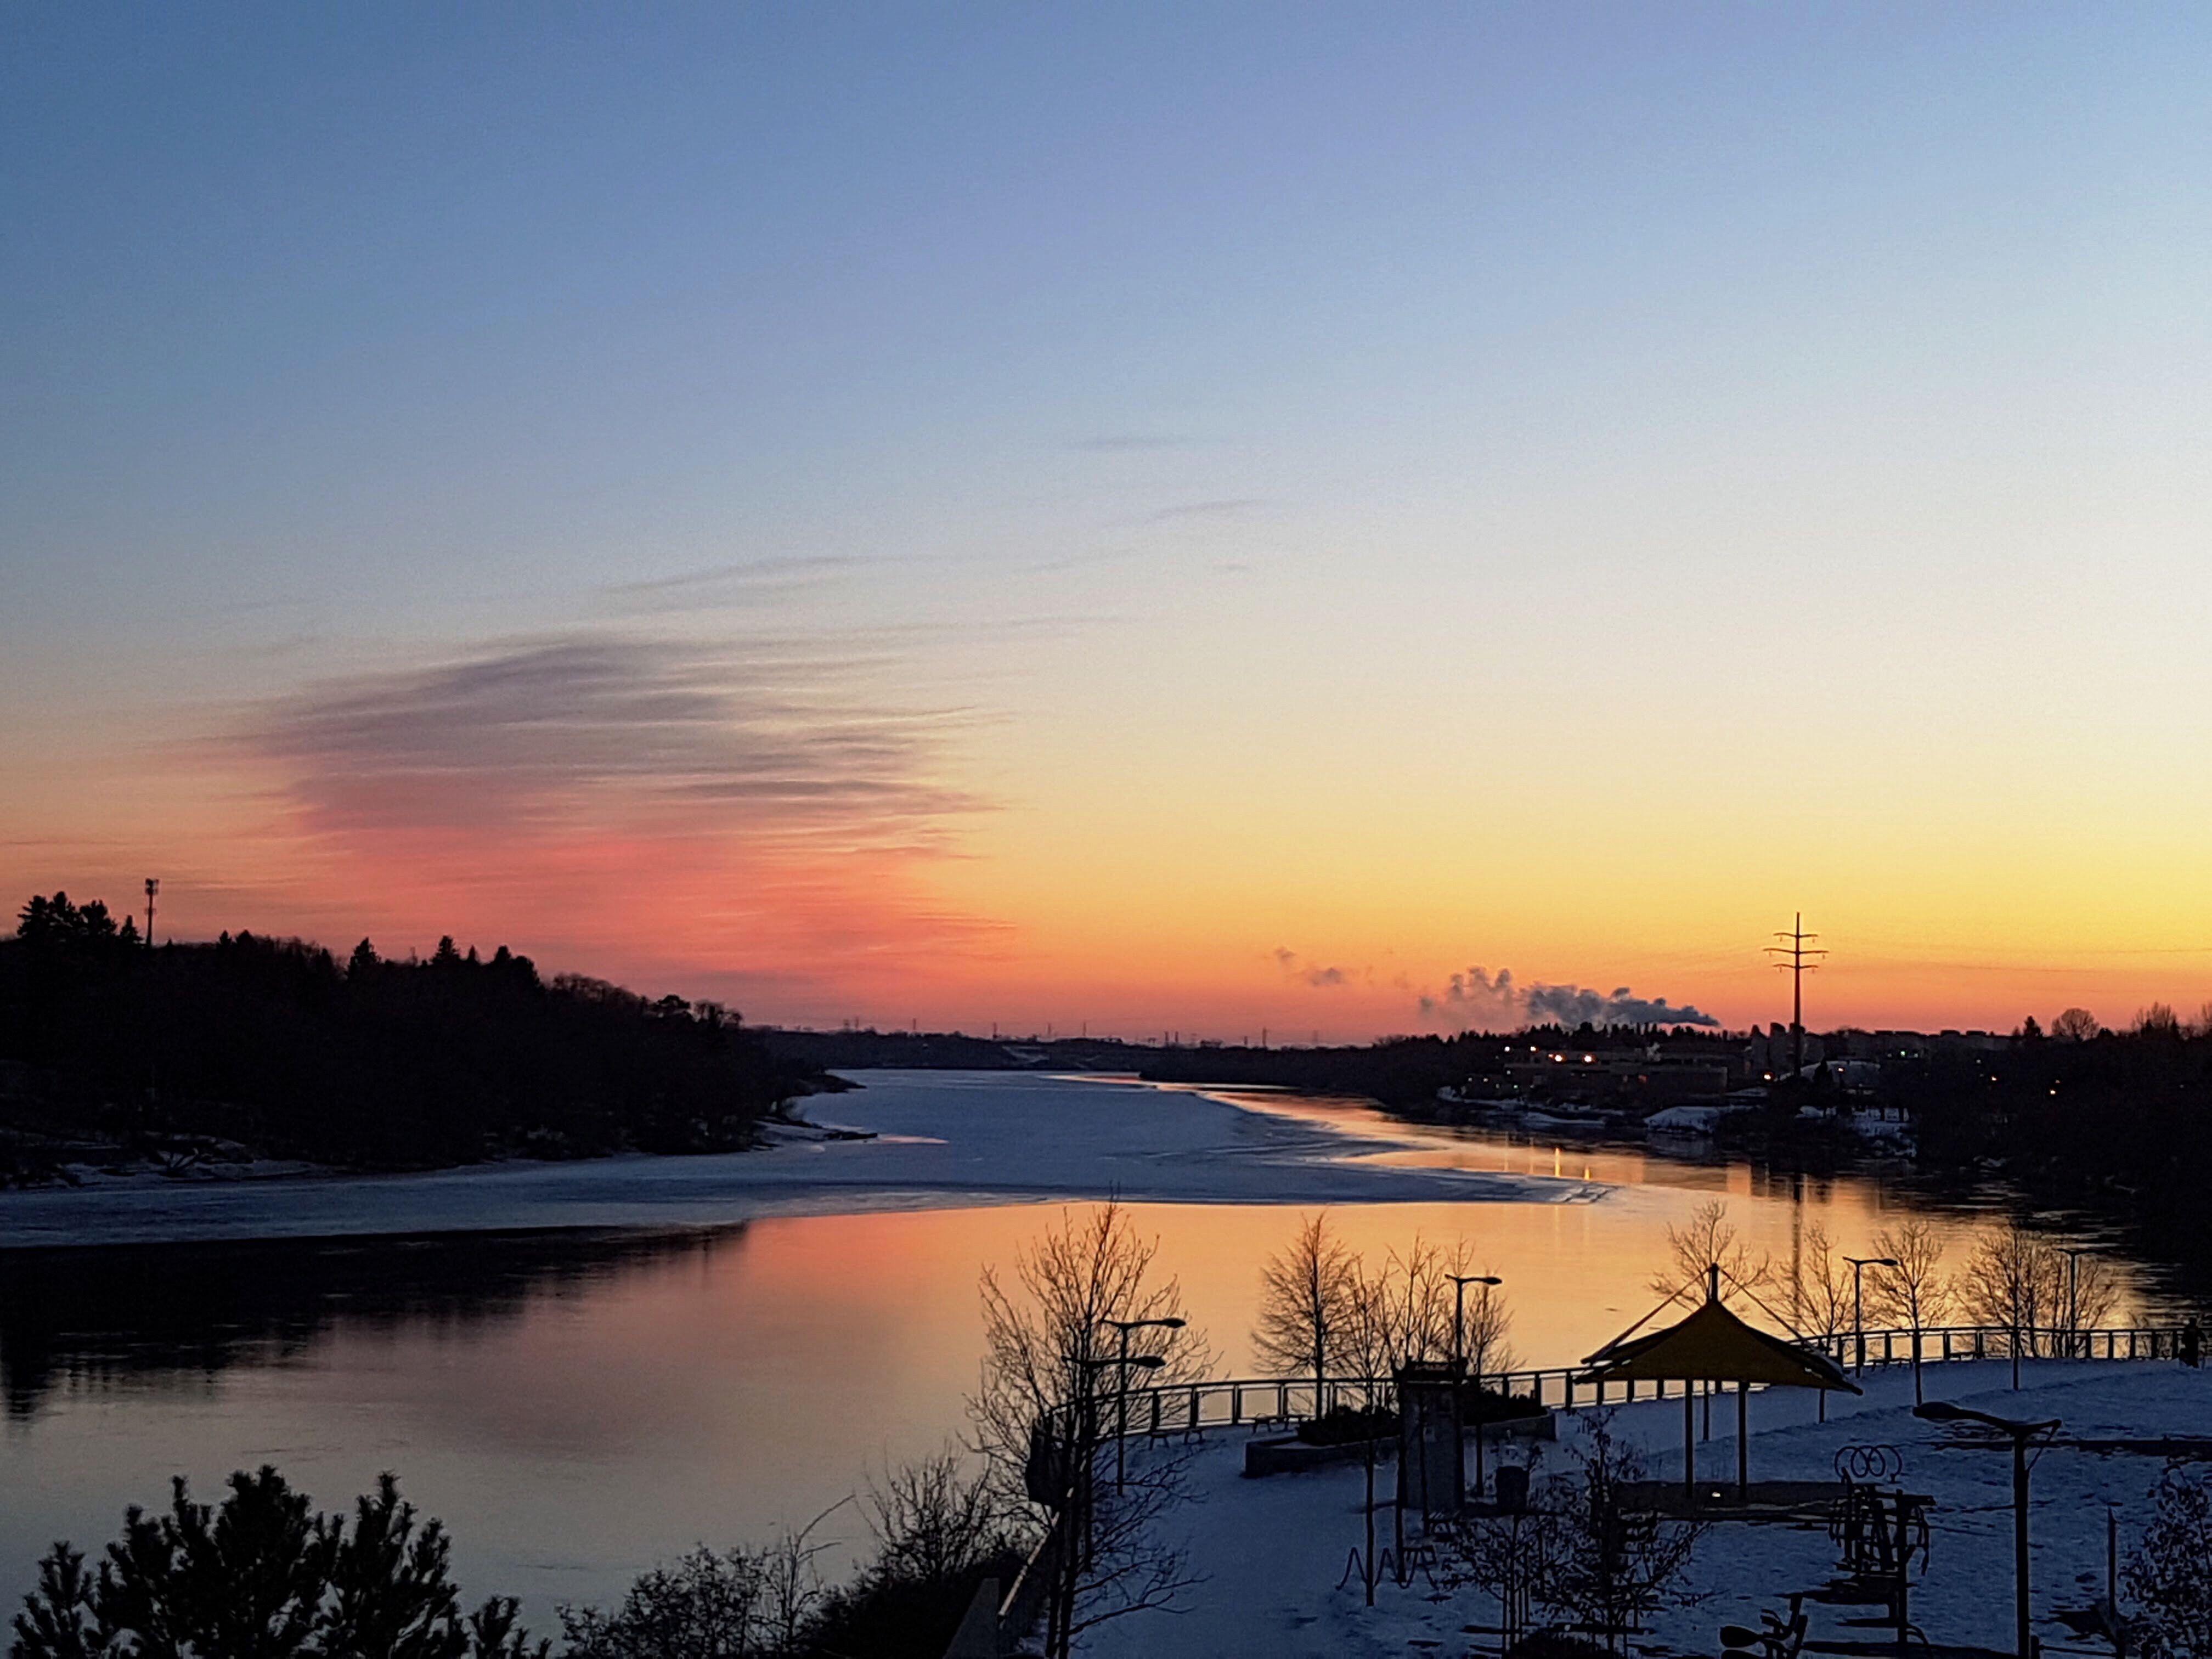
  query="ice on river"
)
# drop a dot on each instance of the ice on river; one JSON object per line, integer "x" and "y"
{"x": 944, "y": 1139}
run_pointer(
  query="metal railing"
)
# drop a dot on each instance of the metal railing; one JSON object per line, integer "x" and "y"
{"x": 1266, "y": 1401}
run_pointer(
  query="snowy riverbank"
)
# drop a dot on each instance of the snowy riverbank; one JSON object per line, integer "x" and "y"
{"x": 941, "y": 1139}
{"x": 1271, "y": 1551}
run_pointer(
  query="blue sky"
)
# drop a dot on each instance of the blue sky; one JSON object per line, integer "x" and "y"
{"x": 1822, "y": 389}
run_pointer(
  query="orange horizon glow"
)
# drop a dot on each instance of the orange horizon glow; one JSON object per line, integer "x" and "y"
{"x": 1231, "y": 532}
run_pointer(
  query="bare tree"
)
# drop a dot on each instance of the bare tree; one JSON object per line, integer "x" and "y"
{"x": 1307, "y": 1292}
{"x": 791, "y": 1586}
{"x": 1507, "y": 1555}
{"x": 2093, "y": 1291}
{"x": 1912, "y": 1293}
{"x": 1709, "y": 1239}
{"x": 1820, "y": 1295}
{"x": 1371, "y": 1334}
{"x": 1820, "y": 1287}
{"x": 706, "y": 1606}
{"x": 2158, "y": 1020}
{"x": 935, "y": 1520}
{"x": 2075, "y": 1025}
{"x": 2015, "y": 1278}
{"x": 1051, "y": 1371}
{"x": 1416, "y": 1301}
{"x": 1608, "y": 1568}
{"x": 2038, "y": 1287}
{"x": 1410, "y": 1308}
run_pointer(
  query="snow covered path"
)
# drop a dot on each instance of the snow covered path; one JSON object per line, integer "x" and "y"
{"x": 946, "y": 1139}
{"x": 1272, "y": 1551}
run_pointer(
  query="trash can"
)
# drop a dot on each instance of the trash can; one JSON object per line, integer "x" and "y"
{"x": 1512, "y": 1488}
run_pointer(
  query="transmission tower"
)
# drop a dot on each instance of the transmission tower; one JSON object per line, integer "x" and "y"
{"x": 1796, "y": 957}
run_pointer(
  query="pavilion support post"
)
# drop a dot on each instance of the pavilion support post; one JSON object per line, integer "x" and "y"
{"x": 1689, "y": 1441}
{"x": 1743, "y": 1443}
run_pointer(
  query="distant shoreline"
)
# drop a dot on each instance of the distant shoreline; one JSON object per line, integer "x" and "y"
{"x": 946, "y": 1139}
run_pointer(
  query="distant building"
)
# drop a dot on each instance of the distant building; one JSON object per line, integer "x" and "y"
{"x": 1633, "y": 1078}
{"x": 1771, "y": 1054}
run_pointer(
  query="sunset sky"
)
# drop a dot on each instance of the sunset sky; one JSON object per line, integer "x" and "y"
{"x": 1186, "y": 517}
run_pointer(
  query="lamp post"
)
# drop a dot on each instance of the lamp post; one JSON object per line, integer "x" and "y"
{"x": 1075, "y": 1516}
{"x": 2021, "y": 1435}
{"x": 1143, "y": 1362}
{"x": 2074, "y": 1255}
{"x": 1460, "y": 1282}
{"x": 1859, "y": 1265}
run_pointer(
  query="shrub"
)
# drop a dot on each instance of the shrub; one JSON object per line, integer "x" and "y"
{"x": 2170, "y": 1573}
{"x": 1345, "y": 1425}
{"x": 263, "y": 1577}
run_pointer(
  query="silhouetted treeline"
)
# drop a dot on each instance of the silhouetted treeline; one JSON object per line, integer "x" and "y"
{"x": 953, "y": 1051}
{"x": 1402, "y": 1072}
{"x": 2119, "y": 1124}
{"x": 1405, "y": 1072}
{"x": 276, "y": 1045}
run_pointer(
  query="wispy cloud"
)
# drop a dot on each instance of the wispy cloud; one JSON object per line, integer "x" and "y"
{"x": 1115, "y": 443}
{"x": 744, "y": 809}
{"x": 782, "y": 569}
{"x": 760, "y": 737}
{"x": 1225, "y": 507}
{"x": 745, "y": 582}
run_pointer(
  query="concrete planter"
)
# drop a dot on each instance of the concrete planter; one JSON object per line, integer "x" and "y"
{"x": 1288, "y": 1455}
{"x": 1540, "y": 1425}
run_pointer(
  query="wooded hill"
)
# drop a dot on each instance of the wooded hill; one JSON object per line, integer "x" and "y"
{"x": 277, "y": 1047}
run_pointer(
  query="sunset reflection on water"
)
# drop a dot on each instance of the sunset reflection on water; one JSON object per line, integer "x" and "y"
{"x": 577, "y": 1408}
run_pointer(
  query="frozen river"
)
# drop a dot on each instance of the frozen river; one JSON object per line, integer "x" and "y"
{"x": 584, "y": 1368}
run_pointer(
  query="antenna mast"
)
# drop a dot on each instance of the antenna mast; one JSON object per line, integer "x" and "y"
{"x": 153, "y": 886}
{"x": 1797, "y": 957}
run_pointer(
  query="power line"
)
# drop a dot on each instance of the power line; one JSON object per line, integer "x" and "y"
{"x": 1794, "y": 952}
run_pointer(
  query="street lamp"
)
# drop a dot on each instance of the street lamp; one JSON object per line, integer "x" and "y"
{"x": 1151, "y": 1362}
{"x": 2074, "y": 1253}
{"x": 1859, "y": 1265}
{"x": 1460, "y": 1282}
{"x": 2020, "y": 1434}
{"x": 1075, "y": 1517}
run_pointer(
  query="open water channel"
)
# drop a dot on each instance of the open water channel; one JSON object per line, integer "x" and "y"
{"x": 653, "y": 1365}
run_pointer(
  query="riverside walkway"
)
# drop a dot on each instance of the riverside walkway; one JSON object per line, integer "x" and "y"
{"x": 1262, "y": 1401}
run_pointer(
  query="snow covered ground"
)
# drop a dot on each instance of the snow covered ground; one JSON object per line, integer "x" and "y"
{"x": 944, "y": 1139}
{"x": 1272, "y": 1550}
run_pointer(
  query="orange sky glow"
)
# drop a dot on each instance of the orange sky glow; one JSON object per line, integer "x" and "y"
{"x": 1237, "y": 530}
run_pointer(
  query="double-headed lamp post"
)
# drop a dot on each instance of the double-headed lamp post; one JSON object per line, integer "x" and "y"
{"x": 2022, "y": 1435}
{"x": 1149, "y": 1362}
{"x": 1460, "y": 1282}
{"x": 1859, "y": 1265}
{"x": 1075, "y": 1517}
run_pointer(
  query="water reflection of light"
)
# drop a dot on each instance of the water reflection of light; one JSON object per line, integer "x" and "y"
{"x": 580, "y": 1417}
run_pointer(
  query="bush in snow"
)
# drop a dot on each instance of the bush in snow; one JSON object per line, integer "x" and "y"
{"x": 2170, "y": 1574}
